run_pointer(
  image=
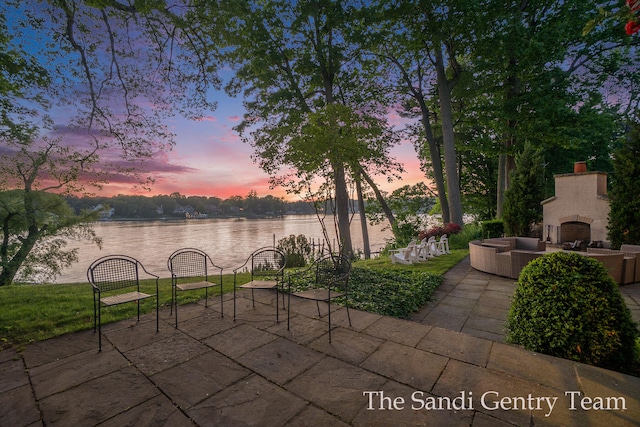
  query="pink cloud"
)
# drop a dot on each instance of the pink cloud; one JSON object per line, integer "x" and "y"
{"x": 207, "y": 119}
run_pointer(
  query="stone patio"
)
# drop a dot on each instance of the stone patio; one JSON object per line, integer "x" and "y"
{"x": 253, "y": 372}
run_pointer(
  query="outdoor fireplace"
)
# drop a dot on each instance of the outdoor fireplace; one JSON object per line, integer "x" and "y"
{"x": 571, "y": 231}
{"x": 579, "y": 210}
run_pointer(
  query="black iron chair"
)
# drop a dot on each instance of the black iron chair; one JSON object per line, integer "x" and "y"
{"x": 191, "y": 269}
{"x": 266, "y": 266}
{"x": 109, "y": 276}
{"x": 324, "y": 280}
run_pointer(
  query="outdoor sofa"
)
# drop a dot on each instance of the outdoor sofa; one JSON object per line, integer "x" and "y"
{"x": 630, "y": 265}
{"x": 507, "y": 256}
{"x": 504, "y": 256}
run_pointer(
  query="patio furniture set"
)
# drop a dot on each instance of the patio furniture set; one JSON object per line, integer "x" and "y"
{"x": 422, "y": 251}
{"x": 507, "y": 256}
{"x": 115, "y": 279}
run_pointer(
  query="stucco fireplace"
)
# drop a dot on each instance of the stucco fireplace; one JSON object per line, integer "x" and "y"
{"x": 579, "y": 210}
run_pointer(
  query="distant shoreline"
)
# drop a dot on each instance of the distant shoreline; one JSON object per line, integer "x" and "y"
{"x": 176, "y": 218}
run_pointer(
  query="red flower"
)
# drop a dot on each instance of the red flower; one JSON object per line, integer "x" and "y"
{"x": 632, "y": 27}
{"x": 634, "y": 5}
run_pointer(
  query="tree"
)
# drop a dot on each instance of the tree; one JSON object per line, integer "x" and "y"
{"x": 624, "y": 216}
{"x": 522, "y": 206}
{"x": 35, "y": 222}
{"x": 436, "y": 34}
{"x": 297, "y": 66}
{"x": 396, "y": 56}
{"x": 543, "y": 77}
{"x": 409, "y": 203}
{"x": 90, "y": 59}
{"x": 335, "y": 135}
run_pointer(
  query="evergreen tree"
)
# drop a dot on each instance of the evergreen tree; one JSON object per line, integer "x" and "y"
{"x": 522, "y": 201}
{"x": 624, "y": 217}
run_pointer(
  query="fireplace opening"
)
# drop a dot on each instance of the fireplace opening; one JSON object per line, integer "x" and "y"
{"x": 575, "y": 230}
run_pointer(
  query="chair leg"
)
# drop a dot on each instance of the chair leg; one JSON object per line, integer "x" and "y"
{"x": 253, "y": 299}
{"x": 221, "y": 301}
{"x": 99, "y": 329}
{"x": 288, "y": 308}
{"x": 329, "y": 317}
{"x": 277, "y": 307}
{"x": 95, "y": 314}
{"x": 346, "y": 304}
{"x": 176, "y": 303}
{"x": 173, "y": 292}
{"x": 318, "y": 307}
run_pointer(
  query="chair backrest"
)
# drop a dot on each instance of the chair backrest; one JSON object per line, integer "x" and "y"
{"x": 188, "y": 262}
{"x": 333, "y": 271}
{"x": 267, "y": 262}
{"x": 113, "y": 272}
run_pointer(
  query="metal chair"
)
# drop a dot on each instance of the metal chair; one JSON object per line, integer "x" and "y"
{"x": 110, "y": 275}
{"x": 266, "y": 266}
{"x": 326, "y": 279}
{"x": 190, "y": 270}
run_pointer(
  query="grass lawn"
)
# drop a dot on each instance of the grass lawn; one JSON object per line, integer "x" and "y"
{"x": 31, "y": 313}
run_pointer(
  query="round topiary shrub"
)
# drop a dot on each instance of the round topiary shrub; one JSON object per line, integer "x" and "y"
{"x": 567, "y": 305}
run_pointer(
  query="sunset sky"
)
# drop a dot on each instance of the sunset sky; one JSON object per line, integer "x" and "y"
{"x": 209, "y": 159}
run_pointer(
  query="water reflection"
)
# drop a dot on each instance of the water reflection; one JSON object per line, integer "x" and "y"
{"x": 228, "y": 241}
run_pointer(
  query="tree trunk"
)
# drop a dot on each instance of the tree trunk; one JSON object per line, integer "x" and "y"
{"x": 380, "y": 198}
{"x": 436, "y": 161}
{"x": 507, "y": 161}
{"x": 502, "y": 183}
{"x": 363, "y": 220}
{"x": 342, "y": 211}
{"x": 448, "y": 141}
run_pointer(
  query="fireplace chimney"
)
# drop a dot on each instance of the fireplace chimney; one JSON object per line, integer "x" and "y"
{"x": 579, "y": 167}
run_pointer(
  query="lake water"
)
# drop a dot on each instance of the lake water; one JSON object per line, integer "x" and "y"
{"x": 228, "y": 241}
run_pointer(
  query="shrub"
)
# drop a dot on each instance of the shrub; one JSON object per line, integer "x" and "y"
{"x": 449, "y": 229}
{"x": 567, "y": 305}
{"x": 522, "y": 206}
{"x": 296, "y": 248}
{"x": 461, "y": 240}
{"x": 492, "y": 228}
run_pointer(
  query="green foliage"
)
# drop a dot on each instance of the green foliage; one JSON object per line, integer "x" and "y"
{"x": 395, "y": 293}
{"x": 567, "y": 305}
{"x": 522, "y": 200}
{"x": 33, "y": 313}
{"x": 37, "y": 312}
{"x": 408, "y": 203}
{"x": 391, "y": 293}
{"x": 36, "y": 225}
{"x": 624, "y": 216}
{"x": 492, "y": 228}
{"x": 297, "y": 250}
{"x": 461, "y": 240}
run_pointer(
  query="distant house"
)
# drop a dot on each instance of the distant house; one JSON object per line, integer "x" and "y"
{"x": 160, "y": 210}
{"x": 184, "y": 210}
{"x": 105, "y": 213}
{"x": 196, "y": 215}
